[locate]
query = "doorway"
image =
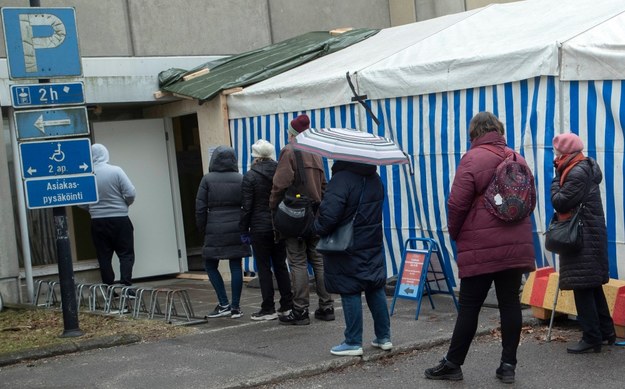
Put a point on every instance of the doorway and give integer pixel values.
(190, 173)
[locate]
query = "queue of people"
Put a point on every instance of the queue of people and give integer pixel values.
(236, 212)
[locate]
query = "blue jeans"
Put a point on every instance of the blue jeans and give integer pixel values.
(352, 310)
(236, 272)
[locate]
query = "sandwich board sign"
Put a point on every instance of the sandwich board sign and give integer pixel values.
(422, 269)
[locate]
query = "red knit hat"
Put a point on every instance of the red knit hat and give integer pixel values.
(568, 143)
(299, 124)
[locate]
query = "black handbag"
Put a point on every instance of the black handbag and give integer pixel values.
(295, 214)
(340, 240)
(566, 236)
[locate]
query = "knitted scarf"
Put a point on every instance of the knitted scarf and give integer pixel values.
(566, 162)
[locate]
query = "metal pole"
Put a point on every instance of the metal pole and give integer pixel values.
(66, 275)
(553, 311)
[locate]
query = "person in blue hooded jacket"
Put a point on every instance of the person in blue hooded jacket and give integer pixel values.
(356, 189)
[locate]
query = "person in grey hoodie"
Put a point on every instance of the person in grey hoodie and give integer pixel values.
(217, 213)
(111, 228)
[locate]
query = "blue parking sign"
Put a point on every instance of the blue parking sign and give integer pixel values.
(41, 42)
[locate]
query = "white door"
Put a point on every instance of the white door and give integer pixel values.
(140, 148)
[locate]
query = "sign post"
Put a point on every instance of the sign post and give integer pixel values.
(42, 43)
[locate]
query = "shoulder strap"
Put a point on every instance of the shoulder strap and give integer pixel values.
(300, 176)
(362, 192)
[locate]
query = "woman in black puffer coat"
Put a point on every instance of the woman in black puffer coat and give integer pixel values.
(257, 229)
(217, 213)
(363, 268)
(576, 182)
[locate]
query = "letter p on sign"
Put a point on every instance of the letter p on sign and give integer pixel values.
(41, 42)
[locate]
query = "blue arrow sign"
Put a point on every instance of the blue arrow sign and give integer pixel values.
(47, 95)
(56, 158)
(51, 123)
(41, 42)
(61, 191)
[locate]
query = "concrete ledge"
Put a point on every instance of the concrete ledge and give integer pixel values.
(67, 348)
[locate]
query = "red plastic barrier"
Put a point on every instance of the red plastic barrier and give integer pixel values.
(541, 280)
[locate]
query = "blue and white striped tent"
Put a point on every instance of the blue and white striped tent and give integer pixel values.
(542, 67)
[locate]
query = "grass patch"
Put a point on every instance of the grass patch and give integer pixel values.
(23, 329)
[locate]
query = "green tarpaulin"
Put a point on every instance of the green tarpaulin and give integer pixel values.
(257, 65)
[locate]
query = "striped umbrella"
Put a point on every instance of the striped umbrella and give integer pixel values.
(347, 144)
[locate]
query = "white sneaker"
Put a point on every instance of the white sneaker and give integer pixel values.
(346, 350)
(383, 344)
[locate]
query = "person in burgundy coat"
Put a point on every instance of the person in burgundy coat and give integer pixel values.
(488, 250)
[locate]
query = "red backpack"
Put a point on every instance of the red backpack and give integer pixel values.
(511, 193)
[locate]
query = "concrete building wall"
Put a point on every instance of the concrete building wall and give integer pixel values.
(402, 12)
(293, 17)
(198, 27)
(473, 4)
(428, 9)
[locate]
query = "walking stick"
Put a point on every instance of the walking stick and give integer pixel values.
(553, 311)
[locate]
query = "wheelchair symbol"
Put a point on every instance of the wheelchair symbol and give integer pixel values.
(58, 155)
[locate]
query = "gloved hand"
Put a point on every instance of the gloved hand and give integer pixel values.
(246, 238)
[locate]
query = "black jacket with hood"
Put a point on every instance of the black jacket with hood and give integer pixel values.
(218, 207)
(364, 267)
(587, 268)
(256, 188)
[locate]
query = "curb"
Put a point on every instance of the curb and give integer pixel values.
(67, 348)
(342, 362)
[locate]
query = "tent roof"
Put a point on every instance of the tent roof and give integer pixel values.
(492, 45)
(257, 65)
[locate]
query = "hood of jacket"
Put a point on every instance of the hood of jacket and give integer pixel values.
(223, 160)
(490, 138)
(99, 154)
(265, 168)
(354, 167)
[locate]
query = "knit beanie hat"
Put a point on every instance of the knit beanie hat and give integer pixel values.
(299, 124)
(568, 143)
(263, 149)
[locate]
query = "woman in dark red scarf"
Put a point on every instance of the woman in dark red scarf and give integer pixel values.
(576, 182)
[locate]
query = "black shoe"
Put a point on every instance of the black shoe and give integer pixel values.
(295, 318)
(444, 371)
(583, 347)
(264, 315)
(325, 314)
(505, 372)
(610, 339)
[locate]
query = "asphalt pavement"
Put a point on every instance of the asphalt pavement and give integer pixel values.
(233, 353)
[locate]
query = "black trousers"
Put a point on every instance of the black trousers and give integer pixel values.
(593, 314)
(270, 254)
(114, 235)
(473, 292)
